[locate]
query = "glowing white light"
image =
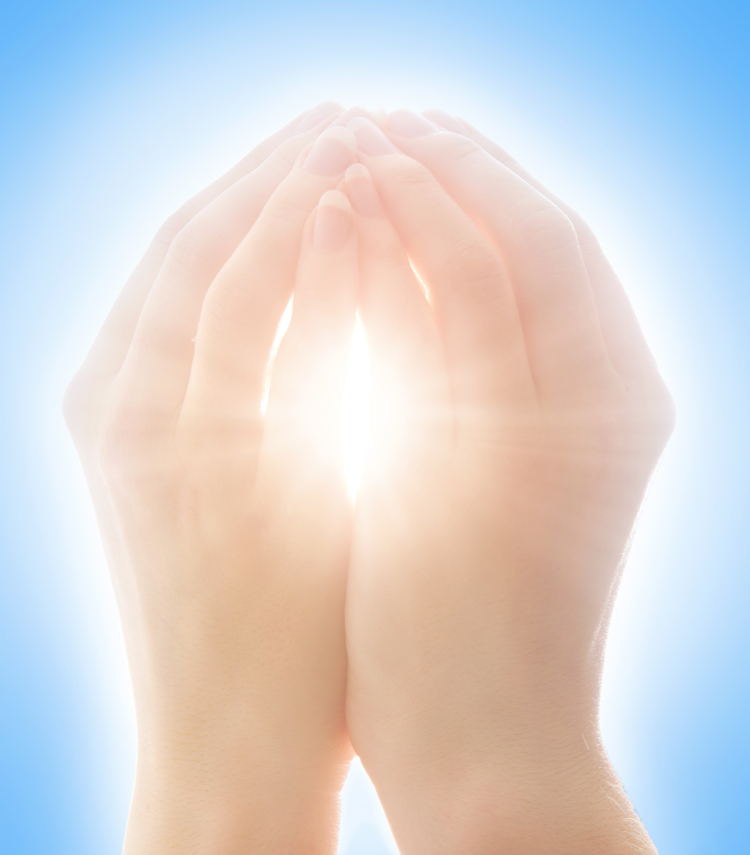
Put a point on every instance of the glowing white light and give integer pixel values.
(356, 411)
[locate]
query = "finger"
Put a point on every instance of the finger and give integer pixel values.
(624, 339)
(244, 304)
(111, 344)
(347, 115)
(410, 390)
(466, 279)
(309, 124)
(302, 432)
(556, 304)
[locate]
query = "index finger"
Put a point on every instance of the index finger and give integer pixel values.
(468, 284)
(560, 322)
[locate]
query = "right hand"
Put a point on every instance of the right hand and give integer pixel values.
(518, 415)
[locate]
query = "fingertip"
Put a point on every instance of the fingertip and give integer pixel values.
(370, 139)
(379, 115)
(333, 218)
(316, 115)
(469, 128)
(357, 170)
(362, 192)
(445, 121)
(406, 123)
(337, 199)
(331, 153)
(343, 135)
(347, 115)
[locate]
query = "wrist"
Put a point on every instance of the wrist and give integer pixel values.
(565, 803)
(226, 788)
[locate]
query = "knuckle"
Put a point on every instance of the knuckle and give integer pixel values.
(81, 404)
(284, 157)
(638, 419)
(287, 206)
(473, 270)
(122, 439)
(316, 302)
(170, 228)
(122, 453)
(223, 316)
(661, 412)
(76, 403)
(546, 230)
(131, 448)
(191, 247)
(462, 151)
(410, 179)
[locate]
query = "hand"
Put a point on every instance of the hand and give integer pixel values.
(518, 416)
(228, 530)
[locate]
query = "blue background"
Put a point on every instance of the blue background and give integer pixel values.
(637, 113)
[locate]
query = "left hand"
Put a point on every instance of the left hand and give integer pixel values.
(227, 529)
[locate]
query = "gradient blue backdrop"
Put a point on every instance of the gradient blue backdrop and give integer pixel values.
(112, 113)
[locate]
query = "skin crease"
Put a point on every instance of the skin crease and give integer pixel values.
(450, 629)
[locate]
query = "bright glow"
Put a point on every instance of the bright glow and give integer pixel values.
(163, 158)
(356, 411)
(364, 826)
(280, 331)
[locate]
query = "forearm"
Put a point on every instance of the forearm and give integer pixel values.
(238, 793)
(572, 805)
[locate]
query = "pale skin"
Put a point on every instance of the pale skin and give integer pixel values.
(450, 627)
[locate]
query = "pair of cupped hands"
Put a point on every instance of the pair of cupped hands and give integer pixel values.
(449, 627)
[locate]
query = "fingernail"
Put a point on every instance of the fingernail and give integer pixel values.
(351, 113)
(446, 121)
(332, 222)
(332, 152)
(404, 123)
(361, 191)
(316, 115)
(370, 139)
